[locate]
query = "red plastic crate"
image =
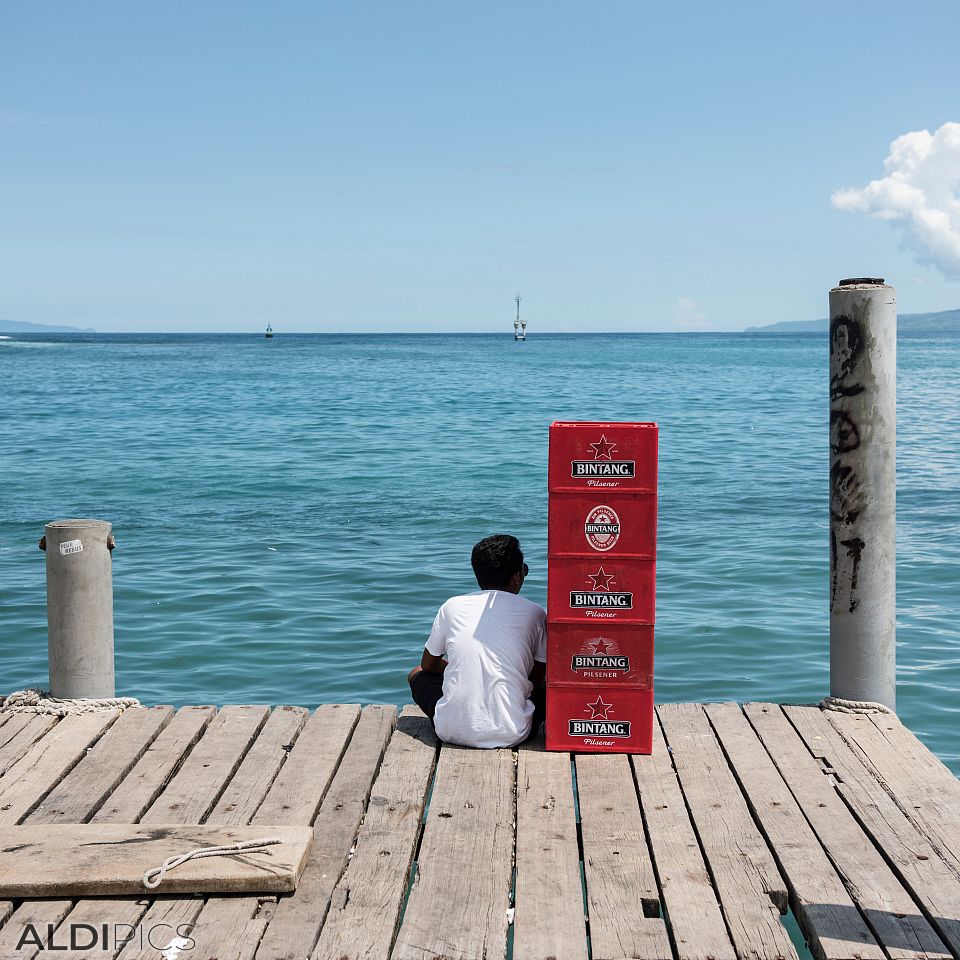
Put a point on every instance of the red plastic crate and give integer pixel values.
(603, 456)
(599, 719)
(584, 653)
(601, 590)
(608, 525)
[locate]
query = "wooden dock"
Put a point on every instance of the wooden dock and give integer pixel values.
(694, 853)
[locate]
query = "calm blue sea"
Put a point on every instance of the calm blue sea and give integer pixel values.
(290, 513)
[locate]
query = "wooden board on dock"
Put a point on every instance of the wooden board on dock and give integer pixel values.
(623, 901)
(107, 859)
(466, 860)
(549, 920)
(368, 898)
(424, 850)
(689, 899)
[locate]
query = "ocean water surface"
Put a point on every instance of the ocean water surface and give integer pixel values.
(290, 513)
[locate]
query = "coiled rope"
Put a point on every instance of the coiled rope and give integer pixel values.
(153, 878)
(42, 701)
(854, 706)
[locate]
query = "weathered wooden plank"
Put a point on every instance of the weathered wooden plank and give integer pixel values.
(55, 926)
(6, 908)
(365, 905)
(141, 786)
(293, 797)
(829, 919)
(238, 941)
(923, 788)
(464, 861)
(230, 928)
(894, 918)
(134, 795)
(210, 761)
(249, 785)
(110, 859)
(295, 927)
(697, 927)
(92, 780)
(302, 783)
(187, 798)
(30, 925)
(932, 777)
(48, 914)
(549, 914)
(165, 932)
(931, 880)
(35, 774)
(230, 911)
(19, 734)
(191, 794)
(751, 890)
(623, 901)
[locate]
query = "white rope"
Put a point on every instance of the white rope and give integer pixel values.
(153, 878)
(41, 701)
(854, 706)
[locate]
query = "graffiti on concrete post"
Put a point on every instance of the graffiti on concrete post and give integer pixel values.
(847, 495)
(854, 548)
(846, 348)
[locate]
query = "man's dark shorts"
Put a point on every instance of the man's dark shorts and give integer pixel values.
(427, 689)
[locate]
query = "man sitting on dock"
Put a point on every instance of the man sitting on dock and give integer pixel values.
(481, 678)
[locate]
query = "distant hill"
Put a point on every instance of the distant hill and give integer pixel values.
(21, 326)
(946, 321)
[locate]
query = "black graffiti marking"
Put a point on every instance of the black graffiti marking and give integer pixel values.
(846, 494)
(834, 573)
(854, 551)
(847, 499)
(839, 389)
(844, 433)
(846, 346)
(855, 547)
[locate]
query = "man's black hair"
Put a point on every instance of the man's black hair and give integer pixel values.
(495, 560)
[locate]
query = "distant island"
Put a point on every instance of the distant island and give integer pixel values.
(22, 326)
(946, 321)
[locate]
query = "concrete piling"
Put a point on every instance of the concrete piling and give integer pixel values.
(863, 379)
(79, 608)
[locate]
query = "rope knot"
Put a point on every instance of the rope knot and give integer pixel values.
(35, 700)
(854, 706)
(153, 878)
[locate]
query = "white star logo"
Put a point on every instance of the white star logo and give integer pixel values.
(600, 709)
(601, 580)
(601, 645)
(602, 448)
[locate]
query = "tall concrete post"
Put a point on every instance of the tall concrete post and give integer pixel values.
(863, 491)
(80, 608)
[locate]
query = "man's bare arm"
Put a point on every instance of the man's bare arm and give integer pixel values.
(538, 675)
(431, 664)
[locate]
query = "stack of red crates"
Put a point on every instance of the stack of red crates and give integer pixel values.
(601, 587)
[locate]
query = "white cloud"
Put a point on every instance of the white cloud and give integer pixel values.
(919, 194)
(686, 316)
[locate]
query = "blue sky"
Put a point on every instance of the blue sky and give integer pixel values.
(410, 166)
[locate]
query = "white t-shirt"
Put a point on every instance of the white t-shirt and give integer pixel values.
(490, 640)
